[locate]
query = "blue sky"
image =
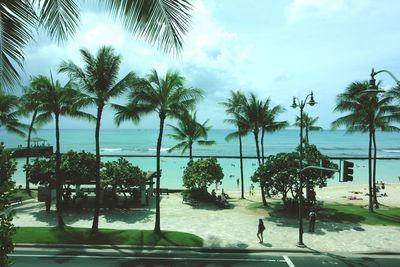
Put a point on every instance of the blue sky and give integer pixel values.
(276, 49)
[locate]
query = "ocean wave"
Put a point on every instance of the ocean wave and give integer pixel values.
(163, 149)
(111, 149)
(391, 151)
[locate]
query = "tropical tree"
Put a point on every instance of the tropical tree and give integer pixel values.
(55, 101)
(159, 22)
(269, 123)
(234, 108)
(253, 113)
(189, 131)
(308, 125)
(29, 105)
(7, 167)
(168, 98)
(367, 112)
(9, 114)
(99, 80)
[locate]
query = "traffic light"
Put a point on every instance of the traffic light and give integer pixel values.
(347, 171)
(325, 163)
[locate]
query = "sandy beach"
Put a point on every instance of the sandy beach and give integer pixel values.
(237, 227)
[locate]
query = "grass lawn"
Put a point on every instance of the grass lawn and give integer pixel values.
(52, 235)
(22, 193)
(359, 214)
(340, 213)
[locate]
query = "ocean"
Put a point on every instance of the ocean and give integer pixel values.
(117, 142)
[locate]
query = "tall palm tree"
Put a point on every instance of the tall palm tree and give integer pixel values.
(168, 98)
(9, 114)
(55, 101)
(367, 112)
(161, 22)
(269, 122)
(189, 131)
(99, 80)
(253, 113)
(234, 108)
(29, 105)
(308, 125)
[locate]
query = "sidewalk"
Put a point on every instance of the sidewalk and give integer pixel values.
(234, 228)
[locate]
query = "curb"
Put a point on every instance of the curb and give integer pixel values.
(203, 249)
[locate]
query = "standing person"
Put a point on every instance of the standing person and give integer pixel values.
(260, 232)
(237, 182)
(312, 217)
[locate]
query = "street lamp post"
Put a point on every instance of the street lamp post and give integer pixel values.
(301, 104)
(372, 84)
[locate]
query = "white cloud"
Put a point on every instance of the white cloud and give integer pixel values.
(306, 9)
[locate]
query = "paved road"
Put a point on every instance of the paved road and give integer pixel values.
(139, 257)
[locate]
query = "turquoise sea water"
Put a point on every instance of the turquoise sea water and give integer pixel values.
(119, 142)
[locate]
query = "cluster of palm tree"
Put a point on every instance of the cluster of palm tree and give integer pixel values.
(368, 111)
(251, 115)
(159, 22)
(96, 84)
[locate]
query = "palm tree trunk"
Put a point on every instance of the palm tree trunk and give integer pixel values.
(259, 164)
(157, 227)
(374, 171)
(241, 164)
(28, 152)
(262, 145)
(190, 150)
(95, 225)
(370, 208)
(59, 183)
(257, 147)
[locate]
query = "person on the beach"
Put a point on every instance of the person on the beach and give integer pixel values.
(237, 182)
(311, 224)
(252, 190)
(260, 232)
(213, 194)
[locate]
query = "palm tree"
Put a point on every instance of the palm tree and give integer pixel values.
(367, 113)
(308, 125)
(29, 104)
(234, 108)
(99, 80)
(168, 98)
(253, 113)
(9, 114)
(189, 131)
(55, 101)
(159, 22)
(269, 123)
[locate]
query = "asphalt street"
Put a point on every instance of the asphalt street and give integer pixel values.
(116, 257)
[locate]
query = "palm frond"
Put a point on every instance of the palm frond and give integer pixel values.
(161, 22)
(60, 18)
(17, 18)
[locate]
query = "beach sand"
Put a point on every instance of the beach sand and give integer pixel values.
(237, 227)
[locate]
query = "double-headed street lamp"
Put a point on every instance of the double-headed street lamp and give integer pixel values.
(301, 104)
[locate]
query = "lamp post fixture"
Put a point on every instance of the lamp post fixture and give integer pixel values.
(372, 82)
(301, 104)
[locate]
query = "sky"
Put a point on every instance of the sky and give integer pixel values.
(275, 49)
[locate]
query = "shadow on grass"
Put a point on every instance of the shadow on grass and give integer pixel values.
(328, 219)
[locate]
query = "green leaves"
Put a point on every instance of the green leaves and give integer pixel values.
(202, 173)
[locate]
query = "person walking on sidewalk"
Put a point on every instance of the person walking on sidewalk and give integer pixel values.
(311, 224)
(260, 232)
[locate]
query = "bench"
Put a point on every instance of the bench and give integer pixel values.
(164, 191)
(17, 200)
